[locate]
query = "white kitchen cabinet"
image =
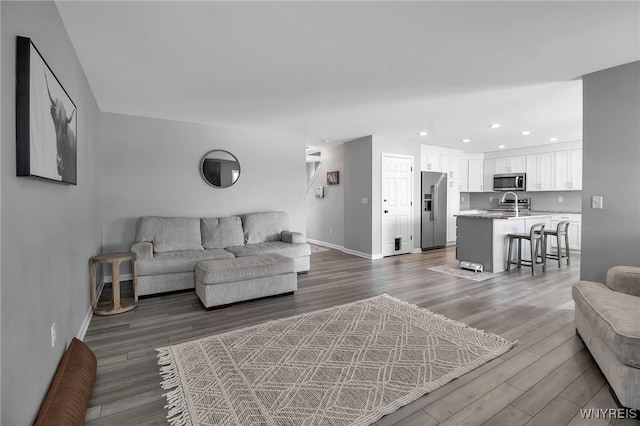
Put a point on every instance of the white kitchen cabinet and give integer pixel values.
(451, 166)
(541, 172)
(453, 208)
(476, 176)
(568, 170)
(464, 175)
(510, 164)
(431, 162)
(575, 229)
(488, 172)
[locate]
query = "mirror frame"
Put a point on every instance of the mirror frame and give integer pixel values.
(204, 157)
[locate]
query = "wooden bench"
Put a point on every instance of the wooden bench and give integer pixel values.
(68, 397)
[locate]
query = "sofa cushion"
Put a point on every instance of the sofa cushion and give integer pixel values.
(221, 232)
(241, 269)
(285, 249)
(615, 318)
(264, 226)
(170, 233)
(177, 261)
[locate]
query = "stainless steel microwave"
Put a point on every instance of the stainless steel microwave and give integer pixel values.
(510, 182)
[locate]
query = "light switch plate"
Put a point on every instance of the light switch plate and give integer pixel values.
(365, 200)
(596, 202)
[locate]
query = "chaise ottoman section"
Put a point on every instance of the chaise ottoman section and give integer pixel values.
(224, 281)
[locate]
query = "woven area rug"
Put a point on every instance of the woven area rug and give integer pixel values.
(346, 365)
(462, 273)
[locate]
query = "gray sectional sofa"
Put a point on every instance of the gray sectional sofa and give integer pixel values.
(608, 320)
(168, 248)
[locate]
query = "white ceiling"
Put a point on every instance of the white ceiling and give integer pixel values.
(342, 70)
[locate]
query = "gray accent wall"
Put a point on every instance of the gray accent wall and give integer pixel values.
(357, 184)
(325, 216)
(385, 145)
(150, 167)
(49, 231)
(611, 168)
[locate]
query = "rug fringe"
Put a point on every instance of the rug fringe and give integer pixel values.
(176, 402)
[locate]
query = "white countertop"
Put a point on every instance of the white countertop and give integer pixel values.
(502, 216)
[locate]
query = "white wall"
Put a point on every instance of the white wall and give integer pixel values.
(49, 231)
(325, 214)
(151, 167)
(611, 164)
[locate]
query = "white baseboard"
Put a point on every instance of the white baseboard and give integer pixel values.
(416, 251)
(324, 244)
(345, 250)
(85, 324)
(123, 277)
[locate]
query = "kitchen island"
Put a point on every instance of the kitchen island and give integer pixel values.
(482, 237)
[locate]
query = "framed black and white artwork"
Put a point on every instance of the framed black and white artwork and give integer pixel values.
(46, 120)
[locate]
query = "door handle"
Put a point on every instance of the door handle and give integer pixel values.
(386, 211)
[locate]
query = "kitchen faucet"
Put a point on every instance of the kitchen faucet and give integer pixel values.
(516, 197)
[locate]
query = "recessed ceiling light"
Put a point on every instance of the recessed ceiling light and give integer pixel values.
(553, 140)
(495, 125)
(502, 146)
(423, 133)
(466, 140)
(525, 133)
(325, 140)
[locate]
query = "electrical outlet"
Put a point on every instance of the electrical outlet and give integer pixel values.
(462, 199)
(560, 199)
(490, 198)
(331, 231)
(53, 335)
(596, 202)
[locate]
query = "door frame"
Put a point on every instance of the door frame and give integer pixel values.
(411, 198)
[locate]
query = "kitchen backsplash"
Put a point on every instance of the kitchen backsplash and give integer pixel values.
(540, 201)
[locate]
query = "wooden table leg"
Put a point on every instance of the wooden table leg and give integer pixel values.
(116, 285)
(135, 281)
(94, 290)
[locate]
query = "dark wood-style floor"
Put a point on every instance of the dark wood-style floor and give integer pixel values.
(544, 380)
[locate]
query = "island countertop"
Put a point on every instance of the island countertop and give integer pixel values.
(503, 215)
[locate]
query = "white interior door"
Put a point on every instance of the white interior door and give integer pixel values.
(397, 204)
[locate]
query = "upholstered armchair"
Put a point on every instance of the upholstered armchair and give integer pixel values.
(608, 321)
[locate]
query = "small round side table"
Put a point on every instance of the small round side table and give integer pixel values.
(117, 305)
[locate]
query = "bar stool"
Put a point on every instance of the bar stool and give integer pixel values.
(537, 243)
(561, 230)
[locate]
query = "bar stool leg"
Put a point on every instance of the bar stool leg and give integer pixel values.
(534, 255)
(519, 252)
(543, 249)
(566, 246)
(509, 254)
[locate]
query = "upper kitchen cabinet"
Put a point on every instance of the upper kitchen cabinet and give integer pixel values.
(541, 172)
(476, 175)
(430, 161)
(568, 170)
(451, 166)
(509, 165)
(471, 173)
(488, 172)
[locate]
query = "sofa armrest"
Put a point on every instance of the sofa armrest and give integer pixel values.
(142, 250)
(293, 237)
(624, 279)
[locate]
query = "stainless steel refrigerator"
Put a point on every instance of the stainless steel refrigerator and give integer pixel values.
(434, 210)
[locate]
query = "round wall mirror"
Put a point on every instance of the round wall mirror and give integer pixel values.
(220, 168)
